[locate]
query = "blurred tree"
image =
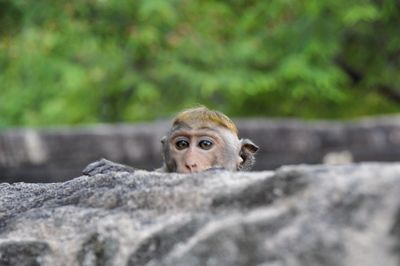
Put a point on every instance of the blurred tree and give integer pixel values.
(107, 60)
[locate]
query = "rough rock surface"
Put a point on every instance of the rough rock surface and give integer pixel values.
(297, 215)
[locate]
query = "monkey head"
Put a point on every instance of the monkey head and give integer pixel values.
(202, 139)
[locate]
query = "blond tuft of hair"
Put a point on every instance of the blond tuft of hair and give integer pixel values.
(203, 114)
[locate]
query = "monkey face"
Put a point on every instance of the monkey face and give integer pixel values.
(201, 139)
(196, 149)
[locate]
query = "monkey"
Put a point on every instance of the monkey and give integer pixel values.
(199, 139)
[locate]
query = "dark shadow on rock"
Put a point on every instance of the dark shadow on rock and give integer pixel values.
(159, 244)
(97, 250)
(23, 253)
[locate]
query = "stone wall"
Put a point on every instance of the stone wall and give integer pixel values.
(295, 216)
(50, 155)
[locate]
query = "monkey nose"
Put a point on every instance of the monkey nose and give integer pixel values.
(191, 166)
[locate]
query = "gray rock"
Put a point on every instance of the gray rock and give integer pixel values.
(297, 215)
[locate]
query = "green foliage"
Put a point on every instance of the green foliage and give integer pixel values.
(71, 62)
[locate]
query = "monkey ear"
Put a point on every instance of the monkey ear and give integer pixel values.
(163, 139)
(247, 152)
(249, 145)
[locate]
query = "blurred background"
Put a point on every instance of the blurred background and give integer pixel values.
(78, 63)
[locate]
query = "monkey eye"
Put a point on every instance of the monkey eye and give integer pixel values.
(205, 144)
(182, 144)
